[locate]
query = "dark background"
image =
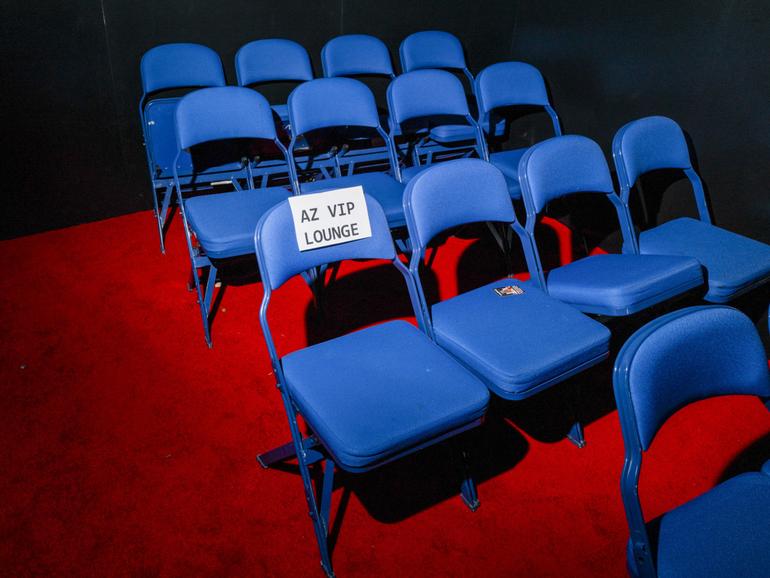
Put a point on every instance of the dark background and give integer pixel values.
(70, 79)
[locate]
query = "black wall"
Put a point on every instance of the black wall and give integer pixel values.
(70, 79)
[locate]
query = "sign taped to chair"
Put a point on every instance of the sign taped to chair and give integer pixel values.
(330, 217)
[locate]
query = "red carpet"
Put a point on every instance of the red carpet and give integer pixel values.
(128, 446)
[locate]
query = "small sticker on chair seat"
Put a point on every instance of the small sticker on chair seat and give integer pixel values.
(509, 290)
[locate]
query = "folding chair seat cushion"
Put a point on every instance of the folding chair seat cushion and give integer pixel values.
(450, 133)
(224, 223)
(622, 284)
(724, 532)
(384, 188)
(518, 344)
(734, 264)
(508, 163)
(374, 393)
(282, 110)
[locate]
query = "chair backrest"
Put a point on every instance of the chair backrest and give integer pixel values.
(432, 49)
(280, 258)
(686, 356)
(356, 54)
(424, 93)
(652, 143)
(272, 60)
(560, 166)
(509, 84)
(227, 112)
(182, 65)
(331, 102)
(454, 193)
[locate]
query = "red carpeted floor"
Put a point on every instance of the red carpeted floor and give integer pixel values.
(128, 446)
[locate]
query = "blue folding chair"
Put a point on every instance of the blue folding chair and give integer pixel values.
(436, 49)
(518, 344)
(273, 60)
(680, 358)
(368, 397)
(503, 85)
(338, 103)
(608, 284)
(423, 94)
(734, 264)
(221, 226)
(356, 56)
(164, 68)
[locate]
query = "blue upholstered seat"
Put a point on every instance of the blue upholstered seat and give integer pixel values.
(622, 284)
(724, 532)
(224, 224)
(734, 264)
(448, 133)
(519, 344)
(387, 190)
(378, 391)
(619, 284)
(675, 360)
(508, 163)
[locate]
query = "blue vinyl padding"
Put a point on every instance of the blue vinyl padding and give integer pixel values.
(690, 355)
(379, 391)
(385, 189)
(356, 54)
(272, 60)
(509, 84)
(563, 165)
(309, 107)
(211, 114)
(424, 93)
(431, 49)
(224, 223)
(508, 163)
(622, 284)
(724, 532)
(284, 259)
(651, 143)
(449, 133)
(518, 344)
(181, 65)
(675, 360)
(734, 263)
(454, 193)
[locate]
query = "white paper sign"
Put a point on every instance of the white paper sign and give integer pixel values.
(330, 218)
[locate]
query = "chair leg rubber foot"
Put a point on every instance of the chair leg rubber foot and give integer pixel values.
(261, 463)
(328, 571)
(472, 505)
(575, 435)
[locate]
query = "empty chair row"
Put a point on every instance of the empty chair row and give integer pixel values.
(174, 66)
(423, 387)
